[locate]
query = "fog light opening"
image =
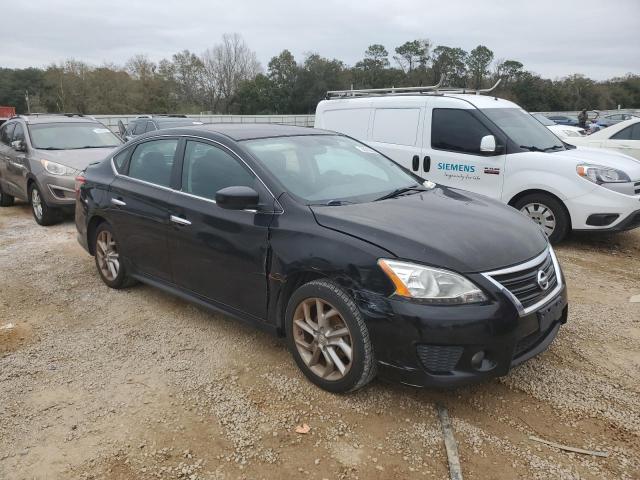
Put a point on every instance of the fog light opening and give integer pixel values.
(480, 362)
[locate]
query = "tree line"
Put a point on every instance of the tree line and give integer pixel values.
(228, 78)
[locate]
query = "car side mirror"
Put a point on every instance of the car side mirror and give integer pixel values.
(488, 144)
(18, 146)
(237, 198)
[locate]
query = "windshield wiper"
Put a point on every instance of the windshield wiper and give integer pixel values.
(555, 147)
(93, 146)
(48, 148)
(531, 148)
(399, 191)
(337, 203)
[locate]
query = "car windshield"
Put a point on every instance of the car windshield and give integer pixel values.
(543, 120)
(71, 136)
(524, 130)
(331, 169)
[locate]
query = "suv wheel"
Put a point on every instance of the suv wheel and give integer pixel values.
(5, 200)
(328, 338)
(43, 213)
(108, 260)
(548, 212)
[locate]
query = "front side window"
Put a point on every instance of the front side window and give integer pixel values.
(319, 169)
(207, 169)
(153, 161)
(523, 129)
(18, 133)
(457, 130)
(6, 133)
(72, 136)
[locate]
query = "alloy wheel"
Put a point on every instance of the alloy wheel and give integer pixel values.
(322, 339)
(107, 255)
(36, 203)
(542, 215)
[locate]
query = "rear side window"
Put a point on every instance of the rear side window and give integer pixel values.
(632, 132)
(396, 125)
(208, 168)
(153, 161)
(6, 132)
(350, 121)
(120, 160)
(456, 130)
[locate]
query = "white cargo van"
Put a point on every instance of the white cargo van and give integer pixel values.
(492, 146)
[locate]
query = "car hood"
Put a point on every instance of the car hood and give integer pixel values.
(444, 227)
(78, 159)
(601, 156)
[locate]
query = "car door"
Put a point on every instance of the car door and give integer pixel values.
(451, 149)
(138, 205)
(626, 141)
(6, 134)
(17, 167)
(219, 254)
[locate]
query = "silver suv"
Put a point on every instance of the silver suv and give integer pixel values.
(40, 156)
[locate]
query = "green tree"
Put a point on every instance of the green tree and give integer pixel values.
(449, 64)
(478, 65)
(413, 55)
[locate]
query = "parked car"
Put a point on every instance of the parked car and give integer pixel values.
(150, 123)
(561, 131)
(623, 137)
(41, 155)
(360, 263)
(492, 146)
(571, 120)
(613, 119)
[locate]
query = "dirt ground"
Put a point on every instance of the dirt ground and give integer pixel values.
(136, 384)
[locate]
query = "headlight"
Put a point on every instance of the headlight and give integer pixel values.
(599, 174)
(56, 169)
(430, 284)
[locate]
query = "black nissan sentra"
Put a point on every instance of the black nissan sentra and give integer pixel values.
(364, 267)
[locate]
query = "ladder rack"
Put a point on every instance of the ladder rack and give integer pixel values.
(436, 89)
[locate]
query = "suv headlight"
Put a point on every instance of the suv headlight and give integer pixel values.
(56, 169)
(430, 284)
(599, 174)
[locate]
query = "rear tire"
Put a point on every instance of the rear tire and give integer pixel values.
(5, 200)
(109, 263)
(333, 350)
(42, 213)
(548, 212)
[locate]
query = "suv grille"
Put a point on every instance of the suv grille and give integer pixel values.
(523, 284)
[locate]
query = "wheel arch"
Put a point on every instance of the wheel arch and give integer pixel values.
(291, 283)
(530, 191)
(92, 227)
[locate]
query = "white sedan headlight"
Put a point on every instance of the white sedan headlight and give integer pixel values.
(599, 174)
(430, 284)
(56, 169)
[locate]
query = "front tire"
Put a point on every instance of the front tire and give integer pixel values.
(548, 212)
(42, 213)
(108, 260)
(328, 337)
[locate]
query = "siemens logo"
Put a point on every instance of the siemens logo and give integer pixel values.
(457, 167)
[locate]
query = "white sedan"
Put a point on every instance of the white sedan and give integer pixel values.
(561, 131)
(623, 137)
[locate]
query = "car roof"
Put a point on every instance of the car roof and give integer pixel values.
(245, 131)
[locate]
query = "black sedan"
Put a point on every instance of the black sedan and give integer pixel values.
(363, 266)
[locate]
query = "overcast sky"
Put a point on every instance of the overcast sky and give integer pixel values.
(599, 38)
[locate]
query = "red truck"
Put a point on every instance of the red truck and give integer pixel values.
(6, 113)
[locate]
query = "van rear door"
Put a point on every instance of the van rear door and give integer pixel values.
(451, 152)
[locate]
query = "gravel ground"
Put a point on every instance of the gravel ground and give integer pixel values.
(104, 384)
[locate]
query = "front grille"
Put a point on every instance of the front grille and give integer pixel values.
(439, 358)
(523, 284)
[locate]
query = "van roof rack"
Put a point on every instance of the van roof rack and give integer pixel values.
(165, 115)
(26, 116)
(436, 89)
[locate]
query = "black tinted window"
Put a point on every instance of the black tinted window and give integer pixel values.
(624, 134)
(153, 161)
(6, 133)
(456, 130)
(635, 134)
(208, 169)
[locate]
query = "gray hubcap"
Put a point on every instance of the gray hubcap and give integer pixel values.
(322, 338)
(542, 215)
(107, 255)
(36, 203)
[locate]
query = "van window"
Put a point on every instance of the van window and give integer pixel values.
(350, 121)
(457, 130)
(396, 125)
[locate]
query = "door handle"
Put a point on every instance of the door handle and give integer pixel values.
(120, 203)
(179, 220)
(415, 163)
(426, 163)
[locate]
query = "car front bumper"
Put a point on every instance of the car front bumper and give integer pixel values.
(58, 191)
(603, 202)
(448, 346)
